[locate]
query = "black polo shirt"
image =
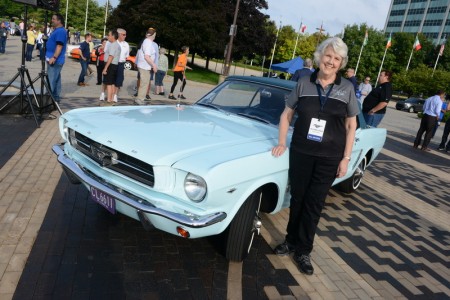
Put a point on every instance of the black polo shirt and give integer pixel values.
(341, 103)
(381, 93)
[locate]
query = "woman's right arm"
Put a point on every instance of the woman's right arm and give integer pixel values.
(283, 128)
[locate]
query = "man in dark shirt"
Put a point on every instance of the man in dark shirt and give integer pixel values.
(306, 71)
(351, 76)
(85, 56)
(374, 106)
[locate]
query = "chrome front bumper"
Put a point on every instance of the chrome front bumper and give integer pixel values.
(141, 205)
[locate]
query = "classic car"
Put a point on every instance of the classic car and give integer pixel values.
(411, 105)
(195, 170)
(129, 64)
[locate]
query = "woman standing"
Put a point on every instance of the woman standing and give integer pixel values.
(100, 53)
(321, 145)
(31, 41)
(179, 73)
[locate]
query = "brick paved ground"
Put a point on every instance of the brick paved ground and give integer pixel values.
(389, 240)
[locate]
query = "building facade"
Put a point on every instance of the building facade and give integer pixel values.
(430, 17)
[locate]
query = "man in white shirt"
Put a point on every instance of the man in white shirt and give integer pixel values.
(431, 112)
(124, 53)
(365, 88)
(146, 61)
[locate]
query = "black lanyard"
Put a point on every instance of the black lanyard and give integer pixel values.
(323, 99)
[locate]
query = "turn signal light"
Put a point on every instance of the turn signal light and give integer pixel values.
(182, 232)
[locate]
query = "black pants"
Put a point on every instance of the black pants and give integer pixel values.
(445, 136)
(310, 177)
(426, 126)
(178, 75)
(100, 66)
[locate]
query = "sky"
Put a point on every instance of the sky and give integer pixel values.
(334, 14)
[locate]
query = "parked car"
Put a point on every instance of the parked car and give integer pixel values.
(195, 170)
(129, 64)
(411, 105)
(70, 47)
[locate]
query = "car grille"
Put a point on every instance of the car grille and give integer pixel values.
(113, 159)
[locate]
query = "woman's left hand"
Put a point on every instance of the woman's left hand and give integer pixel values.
(342, 168)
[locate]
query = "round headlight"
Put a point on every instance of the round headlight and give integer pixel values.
(195, 187)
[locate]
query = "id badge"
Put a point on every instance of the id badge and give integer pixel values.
(316, 130)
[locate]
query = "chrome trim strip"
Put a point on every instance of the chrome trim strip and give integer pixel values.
(143, 205)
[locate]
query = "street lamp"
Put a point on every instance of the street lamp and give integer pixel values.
(227, 66)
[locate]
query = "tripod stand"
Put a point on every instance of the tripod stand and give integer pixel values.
(43, 75)
(25, 77)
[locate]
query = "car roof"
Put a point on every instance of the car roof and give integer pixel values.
(287, 84)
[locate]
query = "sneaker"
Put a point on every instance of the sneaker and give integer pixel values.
(115, 98)
(98, 83)
(182, 97)
(284, 249)
(135, 95)
(148, 97)
(441, 148)
(81, 84)
(172, 97)
(162, 94)
(304, 263)
(102, 97)
(139, 102)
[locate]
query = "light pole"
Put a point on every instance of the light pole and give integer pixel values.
(106, 16)
(226, 68)
(85, 20)
(67, 8)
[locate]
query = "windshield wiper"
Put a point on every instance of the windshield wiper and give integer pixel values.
(209, 105)
(254, 118)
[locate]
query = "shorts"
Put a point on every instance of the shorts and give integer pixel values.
(120, 74)
(159, 77)
(111, 74)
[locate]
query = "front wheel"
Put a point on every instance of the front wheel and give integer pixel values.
(351, 184)
(411, 109)
(242, 230)
(128, 65)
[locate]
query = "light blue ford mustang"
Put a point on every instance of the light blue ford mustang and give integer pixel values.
(196, 170)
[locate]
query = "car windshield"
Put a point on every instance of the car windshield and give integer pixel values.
(248, 99)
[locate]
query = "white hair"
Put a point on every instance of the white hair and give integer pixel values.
(338, 46)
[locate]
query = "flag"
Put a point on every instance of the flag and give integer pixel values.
(366, 38)
(389, 42)
(303, 28)
(441, 51)
(417, 45)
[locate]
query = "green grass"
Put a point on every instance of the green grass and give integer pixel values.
(199, 74)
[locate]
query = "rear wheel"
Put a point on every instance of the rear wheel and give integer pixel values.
(351, 184)
(242, 230)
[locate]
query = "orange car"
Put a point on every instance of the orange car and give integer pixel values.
(129, 64)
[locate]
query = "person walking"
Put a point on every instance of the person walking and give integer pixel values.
(179, 73)
(112, 55)
(431, 111)
(55, 54)
(321, 145)
(444, 140)
(85, 57)
(374, 106)
(146, 61)
(124, 53)
(163, 66)
(3, 37)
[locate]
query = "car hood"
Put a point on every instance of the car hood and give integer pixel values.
(163, 135)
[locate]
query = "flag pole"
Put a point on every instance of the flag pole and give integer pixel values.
(437, 59)
(412, 50)
(381, 67)
(273, 51)
(296, 41)
(106, 17)
(357, 64)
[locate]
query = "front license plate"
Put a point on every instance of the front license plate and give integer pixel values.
(104, 199)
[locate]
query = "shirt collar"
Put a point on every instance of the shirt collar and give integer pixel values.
(314, 79)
